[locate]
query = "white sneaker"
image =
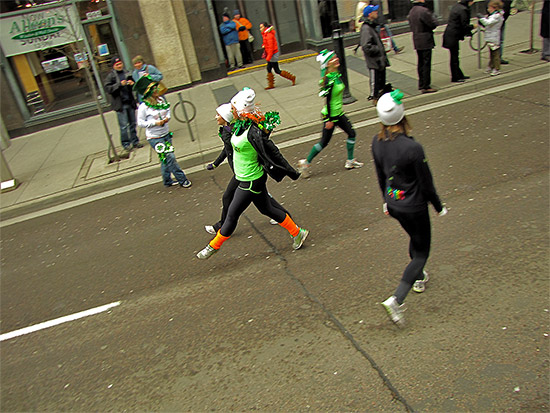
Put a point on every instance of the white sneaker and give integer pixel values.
(210, 229)
(488, 70)
(206, 253)
(352, 163)
(394, 310)
(495, 72)
(303, 168)
(420, 285)
(273, 222)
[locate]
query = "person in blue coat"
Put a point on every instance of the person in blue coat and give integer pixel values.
(228, 29)
(142, 69)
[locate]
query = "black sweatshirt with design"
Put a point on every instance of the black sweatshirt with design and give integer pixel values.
(404, 175)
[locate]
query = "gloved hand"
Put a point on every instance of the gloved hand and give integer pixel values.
(210, 166)
(443, 211)
(242, 28)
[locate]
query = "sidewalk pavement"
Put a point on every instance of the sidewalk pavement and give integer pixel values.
(70, 161)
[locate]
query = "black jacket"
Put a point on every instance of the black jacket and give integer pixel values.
(458, 25)
(372, 46)
(273, 162)
(227, 151)
(422, 23)
(114, 88)
(403, 174)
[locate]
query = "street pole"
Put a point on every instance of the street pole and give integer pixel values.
(338, 44)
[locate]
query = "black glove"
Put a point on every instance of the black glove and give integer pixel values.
(242, 28)
(210, 166)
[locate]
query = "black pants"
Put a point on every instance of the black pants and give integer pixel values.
(343, 123)
(228, 197)
(246, 193)
(424, 68)
(378, 81)
(246, 51)
(456, 73)
(417, 225)
(274, 66)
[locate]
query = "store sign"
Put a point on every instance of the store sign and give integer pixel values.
(39, 30)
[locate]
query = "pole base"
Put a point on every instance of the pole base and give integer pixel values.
(346, 100)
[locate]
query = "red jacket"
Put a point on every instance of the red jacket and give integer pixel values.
(269, 43)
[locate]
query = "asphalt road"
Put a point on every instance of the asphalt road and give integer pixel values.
(262, 327)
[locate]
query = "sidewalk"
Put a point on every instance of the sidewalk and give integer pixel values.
(70, 161)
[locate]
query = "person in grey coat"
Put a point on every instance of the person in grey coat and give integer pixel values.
(458, 27)
(423, 23)
(374, 52)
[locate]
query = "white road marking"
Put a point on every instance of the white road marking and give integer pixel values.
(57, 321)
(286, 144)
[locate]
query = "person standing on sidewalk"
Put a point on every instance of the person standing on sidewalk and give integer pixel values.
(545, 31)
(255, 156)
(154, 115)
(423, 24)
(228, 29)
(382, 23)
(271, 55)
(493, 23)
(118, 84)
(143, 69)
(332, 89)
(407, 187)
(245, 45)
(458, 27)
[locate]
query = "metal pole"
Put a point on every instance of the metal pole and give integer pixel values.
(478, 45)
(182, 103)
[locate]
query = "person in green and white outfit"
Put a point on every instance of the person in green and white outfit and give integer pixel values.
(332, 89)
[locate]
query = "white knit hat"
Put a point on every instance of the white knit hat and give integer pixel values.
(390, 109)
(226, 112)
(244, 101)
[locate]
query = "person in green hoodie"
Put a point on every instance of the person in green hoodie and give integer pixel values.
(332, 89)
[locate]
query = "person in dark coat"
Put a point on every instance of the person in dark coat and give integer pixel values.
(458, 27)
(545, 30)
(423, 23)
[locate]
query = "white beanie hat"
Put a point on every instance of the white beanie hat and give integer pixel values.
(390, 109)
(244, 101)
(226, 112)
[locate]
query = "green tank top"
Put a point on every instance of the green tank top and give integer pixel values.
(245, 159)
(336, 98)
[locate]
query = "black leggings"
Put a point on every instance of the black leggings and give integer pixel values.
(245, 194)
(417, 225)
(343, 123)
(274, 66)
(228, 197)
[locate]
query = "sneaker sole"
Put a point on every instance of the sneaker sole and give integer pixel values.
(399, 322)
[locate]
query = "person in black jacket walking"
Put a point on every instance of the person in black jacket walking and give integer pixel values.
(423, 23)
(407, 187)
(118, 84)
(458, 27)
(254, 157)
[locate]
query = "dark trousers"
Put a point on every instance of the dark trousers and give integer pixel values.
(417, 225)
(424, 68)
(273, 66)
(377, 81)
(343, 123)
(246, 51)
(456, 73)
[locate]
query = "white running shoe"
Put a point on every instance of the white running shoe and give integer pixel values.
(210, 229)
(420, 285)
(495, 72)
(352, 163)
(394, 310)
(273, 222)
(303, 168)
(206, 253)
(299, 239)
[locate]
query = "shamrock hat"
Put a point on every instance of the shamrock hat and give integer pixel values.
(390, 108)
(145, 86)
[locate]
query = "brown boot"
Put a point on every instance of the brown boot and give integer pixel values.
(289, 76)
(270, 81)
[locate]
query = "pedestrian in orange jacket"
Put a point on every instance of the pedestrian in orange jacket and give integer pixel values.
(271, 55)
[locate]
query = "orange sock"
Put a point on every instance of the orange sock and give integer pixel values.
(218, 240)
(290, 226)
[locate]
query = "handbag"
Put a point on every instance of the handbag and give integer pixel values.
(250, 37)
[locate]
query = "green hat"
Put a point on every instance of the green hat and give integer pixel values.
(145, 86)
(323, 58)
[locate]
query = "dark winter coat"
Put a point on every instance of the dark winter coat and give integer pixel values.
(372, 46)
(544, 19)
(422, 23)
(458, 25)
(273, 162)
(115, 90)
(227, 151)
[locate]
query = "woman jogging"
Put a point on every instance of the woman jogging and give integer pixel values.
(255, 156)
(332, 89)
(407, 187)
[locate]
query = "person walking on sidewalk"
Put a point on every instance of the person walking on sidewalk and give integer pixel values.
(243, 28)
(374, 52)
(493, 23)
(271, 55)
(382, 23)
(458, 27)
(224, 117)
(118, 84)
(154, 115)
(407, 187)
(228, 29)
(332, 89)
(255, 156)
(423, 24)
